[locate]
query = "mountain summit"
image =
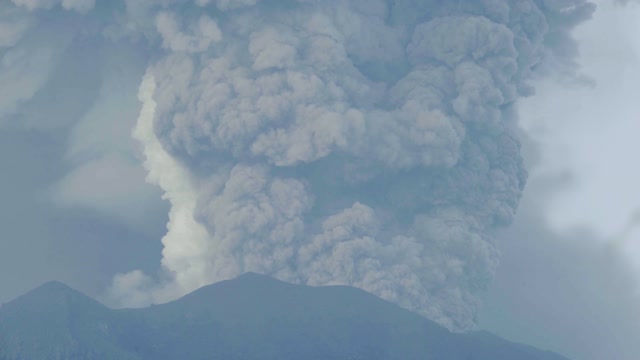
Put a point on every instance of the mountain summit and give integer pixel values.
(250, 317)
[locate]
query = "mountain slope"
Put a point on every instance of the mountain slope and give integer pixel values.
(250, 317)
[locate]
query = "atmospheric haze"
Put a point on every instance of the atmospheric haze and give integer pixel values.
(325, 142)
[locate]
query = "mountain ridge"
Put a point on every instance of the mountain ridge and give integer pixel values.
(250, 317)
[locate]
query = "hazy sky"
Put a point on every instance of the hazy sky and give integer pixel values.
(570, 275)
(76, 206)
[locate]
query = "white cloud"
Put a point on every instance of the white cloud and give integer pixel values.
(112, 185)
(81, 6)
(105, 167)
(592, 131)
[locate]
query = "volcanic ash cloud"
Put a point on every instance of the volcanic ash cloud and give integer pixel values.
(327, 142)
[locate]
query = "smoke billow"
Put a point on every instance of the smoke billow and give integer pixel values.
(341, 142)
(366, 143)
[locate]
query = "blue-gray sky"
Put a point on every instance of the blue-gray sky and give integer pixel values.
(393, 162)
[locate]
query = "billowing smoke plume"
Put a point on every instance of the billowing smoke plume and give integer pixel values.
(344, 142)
(367, 143)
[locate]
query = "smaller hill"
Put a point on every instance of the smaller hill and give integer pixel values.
(55, 321)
